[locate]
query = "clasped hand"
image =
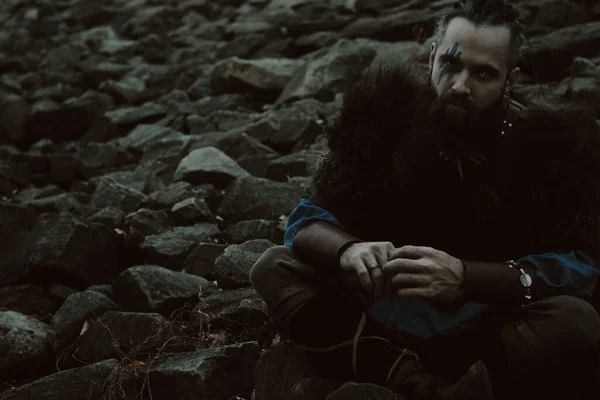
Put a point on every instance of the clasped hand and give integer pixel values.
(408, 271)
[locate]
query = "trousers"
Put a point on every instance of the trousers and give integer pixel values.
(549, 348)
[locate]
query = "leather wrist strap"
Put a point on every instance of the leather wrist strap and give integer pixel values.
(495, 283)
(320, 243)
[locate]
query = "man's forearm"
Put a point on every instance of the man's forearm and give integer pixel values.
(319, 243)
(495, 283)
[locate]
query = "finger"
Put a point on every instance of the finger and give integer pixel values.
(410, 252)
(403, 265)
(421, 293)
(378, 275)
(400, 281)
(377, 279)
(364, 277)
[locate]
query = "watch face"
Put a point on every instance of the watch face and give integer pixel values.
(526, 280)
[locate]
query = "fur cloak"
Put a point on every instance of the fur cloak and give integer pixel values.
(383, 177)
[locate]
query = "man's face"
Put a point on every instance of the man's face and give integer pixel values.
(469, 70)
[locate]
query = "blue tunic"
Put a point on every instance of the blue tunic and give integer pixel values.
(573, 274)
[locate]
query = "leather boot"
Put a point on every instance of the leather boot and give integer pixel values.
(314, 388)
(406, 375)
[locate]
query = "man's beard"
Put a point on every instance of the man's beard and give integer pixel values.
(460, 129)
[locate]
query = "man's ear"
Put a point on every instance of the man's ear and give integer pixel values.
(432, 54)
(512, 79)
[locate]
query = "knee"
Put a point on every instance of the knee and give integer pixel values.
(568, 324)
(263, 269)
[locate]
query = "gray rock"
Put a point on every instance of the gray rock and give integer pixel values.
(301, 163)
(263, 78)
(363, 391)
(116, 333)
(77, 308)
(111, 193)
(232, 269)
(248, 152)
(14, 114)
(244, 231)
(240, 312)
(208, 165)
(170, 248)
(303, 17)
(145, 223)
(32, 193)
(392, 27)
(327, 70)
(143, 136)
(64, 202)
(113, 217)
(174, 193)
(201, 261)
(208, 374)
(15, 218)
(191, 211)
(257, 198)
(28, 300)
(63, 124)
(582, 67)
(59, 246)
(150, 288)
(129, 116)
(24, 346)
(277, 370)
(90, 382)
(128, 89)
(559, 47)
(102, 289)
(96, 158)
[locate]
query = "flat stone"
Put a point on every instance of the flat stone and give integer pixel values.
(90, 382)
(111, 193)
(170, 248)
(144, 135)
(191, 211)
(208, 165)
(214, 373)
(301, 163)
(257, 198)
(117, 333)
(327, 71)
(150, 288)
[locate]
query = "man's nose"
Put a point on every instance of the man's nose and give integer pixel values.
(461, 84)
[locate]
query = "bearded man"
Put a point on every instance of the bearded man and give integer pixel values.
(448, 249)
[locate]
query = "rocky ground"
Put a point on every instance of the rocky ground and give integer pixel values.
(150, 151)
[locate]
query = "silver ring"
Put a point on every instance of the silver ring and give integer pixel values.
(373, 266)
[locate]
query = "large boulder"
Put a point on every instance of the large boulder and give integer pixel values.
(263, 78)
(115, 334)
(209, 165)
(257, 198)
(66, 248)
(24, 346)
(69, 320)
(327, 71)
(170, 248)
(207, 374)
(91, 382)
(150, 288)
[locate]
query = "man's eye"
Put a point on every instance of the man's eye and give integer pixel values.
(483, 75)
(448, 62)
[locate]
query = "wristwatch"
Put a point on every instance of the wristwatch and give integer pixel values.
(525, 278)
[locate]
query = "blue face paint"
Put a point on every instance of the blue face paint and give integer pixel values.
(449, 59)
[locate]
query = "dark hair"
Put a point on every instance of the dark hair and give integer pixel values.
(490, 13)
